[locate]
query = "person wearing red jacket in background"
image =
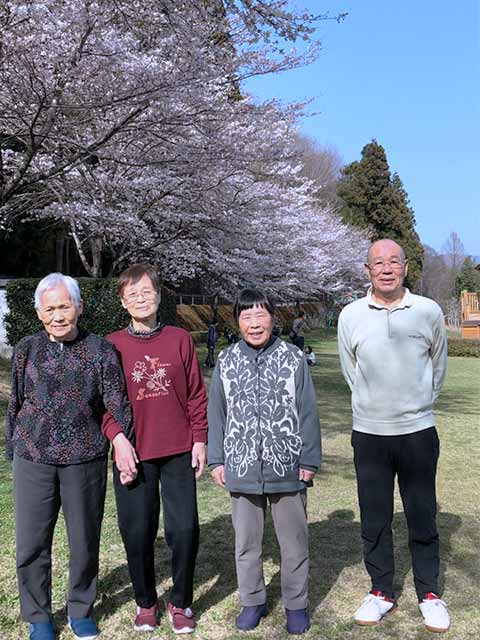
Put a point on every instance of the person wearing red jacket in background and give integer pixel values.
(167, 393)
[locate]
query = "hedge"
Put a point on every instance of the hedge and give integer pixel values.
(102, 314)
(199, 337)
(464, 347)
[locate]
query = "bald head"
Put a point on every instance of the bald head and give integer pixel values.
(386, 269)
(384, 247)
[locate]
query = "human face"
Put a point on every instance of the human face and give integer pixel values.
(58, 314)
(255, 326)
(386, 269)
(141, 300)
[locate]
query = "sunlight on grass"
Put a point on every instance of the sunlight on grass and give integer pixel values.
(338, 580)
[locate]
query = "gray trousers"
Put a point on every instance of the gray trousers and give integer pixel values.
(289, 514)
(39, 490)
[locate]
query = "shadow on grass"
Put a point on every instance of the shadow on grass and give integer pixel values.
(455, 402)
(333, 396)
(335, 544)
(337, 466)
(465, 561)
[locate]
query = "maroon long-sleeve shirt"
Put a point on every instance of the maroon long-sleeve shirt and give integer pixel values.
(166, 391)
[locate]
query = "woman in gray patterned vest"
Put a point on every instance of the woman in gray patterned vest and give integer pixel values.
(264, 446)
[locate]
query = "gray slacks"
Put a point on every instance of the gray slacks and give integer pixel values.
(289, 514)
(39, 490)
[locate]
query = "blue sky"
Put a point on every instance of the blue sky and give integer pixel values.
(407, 74)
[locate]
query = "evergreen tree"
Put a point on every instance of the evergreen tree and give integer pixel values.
(375, 200)
(469, 278)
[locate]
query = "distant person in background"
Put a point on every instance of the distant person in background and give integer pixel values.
(211, 342)
(297, 333)
(393, 352)
(310, 356)
(230, 336)
(63, 379)
(277, 329)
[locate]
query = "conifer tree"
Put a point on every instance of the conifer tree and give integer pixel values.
(469, 278)
(376, 201)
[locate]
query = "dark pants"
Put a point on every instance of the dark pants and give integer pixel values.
(299, 342)
(39, 490)
(413, 458)
(210, 361)
(138, 507)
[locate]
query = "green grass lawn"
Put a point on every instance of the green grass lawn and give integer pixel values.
(338, 580)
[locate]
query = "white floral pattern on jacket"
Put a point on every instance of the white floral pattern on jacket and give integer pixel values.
(262, 416)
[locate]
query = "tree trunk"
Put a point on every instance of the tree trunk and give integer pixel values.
(60, 250)
(96, 246)
(80, 250)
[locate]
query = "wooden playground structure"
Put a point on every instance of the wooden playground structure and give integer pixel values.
(470, 309)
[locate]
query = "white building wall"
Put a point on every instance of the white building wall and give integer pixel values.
(5, 348)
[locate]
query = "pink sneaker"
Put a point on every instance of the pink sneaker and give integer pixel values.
(182, 620)
(146, 618)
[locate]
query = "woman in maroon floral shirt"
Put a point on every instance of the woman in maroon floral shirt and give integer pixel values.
(169, 403)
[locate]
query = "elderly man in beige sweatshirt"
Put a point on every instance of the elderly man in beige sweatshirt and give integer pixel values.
(393, 352)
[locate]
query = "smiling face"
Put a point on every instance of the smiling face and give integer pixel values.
(386, 269)
(141, 299)
(58, 313)
(255, 326)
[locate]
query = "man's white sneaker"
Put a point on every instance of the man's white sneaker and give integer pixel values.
(435, 613)
(373, 608)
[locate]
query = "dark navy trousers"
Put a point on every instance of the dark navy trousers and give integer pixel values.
(138, 508)
(412, 458)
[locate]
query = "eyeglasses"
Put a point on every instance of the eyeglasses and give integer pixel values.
(146, 294)
(380, 265)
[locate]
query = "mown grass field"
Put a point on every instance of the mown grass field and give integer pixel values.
(338, 580)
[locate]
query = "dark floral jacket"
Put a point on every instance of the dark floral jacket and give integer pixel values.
(60, 391)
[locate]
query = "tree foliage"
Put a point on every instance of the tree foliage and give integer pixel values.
(446, 274)
(376, 201)
(454, 254)
(469, 278)
(102, 314)
(435, 281)
(321, 164)
(124, 121)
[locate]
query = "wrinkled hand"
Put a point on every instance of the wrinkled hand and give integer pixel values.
(127, 478)
(198, 458)
(125, 456)
(305, 475)
(218, 475)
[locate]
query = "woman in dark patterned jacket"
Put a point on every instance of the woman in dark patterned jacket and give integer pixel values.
(63, 379)
(264, 445)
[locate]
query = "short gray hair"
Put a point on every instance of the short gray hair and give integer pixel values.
(55, 280)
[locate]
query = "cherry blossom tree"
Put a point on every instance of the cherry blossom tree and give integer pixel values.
(126, 120)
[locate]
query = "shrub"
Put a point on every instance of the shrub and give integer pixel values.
(103, 312)
(199, 337)
(464, 347)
